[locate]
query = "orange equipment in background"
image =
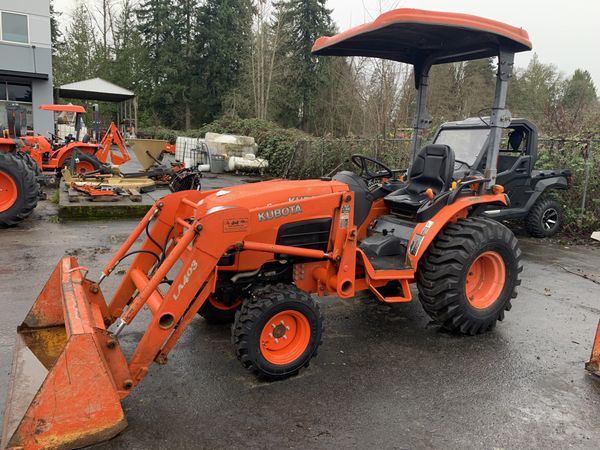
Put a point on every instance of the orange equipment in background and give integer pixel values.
(91, 156)
(593, 365)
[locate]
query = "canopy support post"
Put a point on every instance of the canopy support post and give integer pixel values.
(500, 117)
(135, 122)
(422, 119)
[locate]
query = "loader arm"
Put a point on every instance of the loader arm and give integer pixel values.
(71, 322)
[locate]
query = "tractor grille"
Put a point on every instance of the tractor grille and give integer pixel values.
(313, 234)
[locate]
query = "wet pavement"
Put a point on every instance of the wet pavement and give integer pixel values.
(384, 377)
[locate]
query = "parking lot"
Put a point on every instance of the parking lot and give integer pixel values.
(384, 376)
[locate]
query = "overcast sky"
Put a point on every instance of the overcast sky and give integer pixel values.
(564, 33)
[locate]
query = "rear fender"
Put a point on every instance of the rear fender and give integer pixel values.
(63, 153)
(37, 144)
(551, 183)
(544, 186)
(425, 232)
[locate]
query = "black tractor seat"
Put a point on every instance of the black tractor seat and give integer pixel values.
(432, 168)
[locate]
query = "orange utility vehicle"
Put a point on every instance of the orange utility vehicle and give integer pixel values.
(263, 249)
(89, 156)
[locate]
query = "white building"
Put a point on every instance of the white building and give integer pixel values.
(26, 62)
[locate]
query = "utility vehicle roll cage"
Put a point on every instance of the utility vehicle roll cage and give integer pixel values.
(425, 38)
(525, 126)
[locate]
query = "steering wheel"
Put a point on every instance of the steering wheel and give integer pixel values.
(361, 162)
(462, 163)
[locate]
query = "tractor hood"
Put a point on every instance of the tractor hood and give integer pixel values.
(258, 195)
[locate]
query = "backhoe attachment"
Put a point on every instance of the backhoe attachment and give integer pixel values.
(113, 139)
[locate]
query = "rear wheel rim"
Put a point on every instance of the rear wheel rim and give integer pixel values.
(549, 219)
(83, 167)
(485, 280)
(285, 337)
(8, 191)
(221, 306)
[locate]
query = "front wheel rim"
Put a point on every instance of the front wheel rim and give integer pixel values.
(549, 219)
(8, 192)
(485, 280)
(285, 337)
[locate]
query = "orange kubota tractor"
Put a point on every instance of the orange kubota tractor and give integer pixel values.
(261, 250)
(85, 157)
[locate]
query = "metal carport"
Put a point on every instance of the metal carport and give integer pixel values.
(105, 91)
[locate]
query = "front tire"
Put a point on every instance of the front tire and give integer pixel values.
(277, 331)
(469, 275)
(545, 218)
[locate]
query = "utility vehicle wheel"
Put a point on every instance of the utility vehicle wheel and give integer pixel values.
(216, 311)
(469, 275)
(84, 163)
(277, 331)
(544, 218)
(19, 189)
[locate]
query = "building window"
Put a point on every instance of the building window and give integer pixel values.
(15, 28)
(14, 98)
(18, 92)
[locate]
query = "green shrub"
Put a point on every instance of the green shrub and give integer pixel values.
(292, 153)
(575, 155)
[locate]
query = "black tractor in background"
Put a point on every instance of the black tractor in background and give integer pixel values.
(530, 190)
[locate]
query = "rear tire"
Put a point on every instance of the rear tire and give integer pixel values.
(19, 189)
(39, 175)
(545, 218)
(215, 311)
(31, 164)
(277, 331)
(469, 275)
(85, 163)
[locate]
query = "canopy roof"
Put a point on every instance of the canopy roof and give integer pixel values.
(417, 37)
(63, 108)
(95, 89)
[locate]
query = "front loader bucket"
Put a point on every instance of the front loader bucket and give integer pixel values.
(63, 389)
(593, 365)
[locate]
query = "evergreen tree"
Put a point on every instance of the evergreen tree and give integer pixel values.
(224, 34)
(477, 87)
(533, 92)
(159, 31)
(129, 64)
(303, 22)
(55, 33)
(579, 91)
